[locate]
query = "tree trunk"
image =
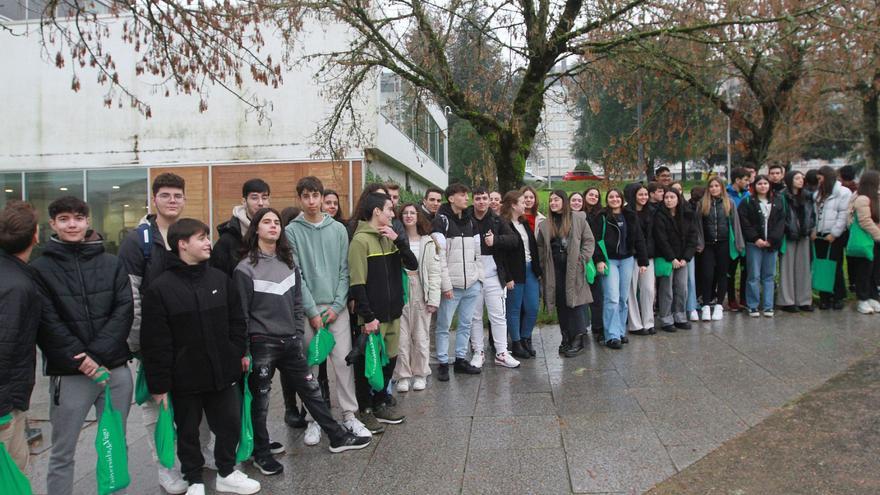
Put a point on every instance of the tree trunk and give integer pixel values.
(510, 162)
(870, 129)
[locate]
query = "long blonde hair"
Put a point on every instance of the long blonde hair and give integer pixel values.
(706, 201)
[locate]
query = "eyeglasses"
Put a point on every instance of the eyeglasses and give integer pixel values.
(167, 196)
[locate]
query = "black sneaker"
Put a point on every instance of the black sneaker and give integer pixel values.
(683, 325)
(668, 328)
(443, 372)
(462, 366)
(349, 442)
(268, 465)
(385, 414)
(808, 308)
(624, 340)
(276, 448)
(614, 344)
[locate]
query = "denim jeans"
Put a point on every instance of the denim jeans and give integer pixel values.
(761, 265)
(465, 300)
(286, 355)
(692, 286)
(615, 285)
(522, 307)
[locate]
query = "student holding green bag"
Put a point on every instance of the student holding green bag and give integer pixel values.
(270, 286)
(832, 211)
(87, 315)
(862, 249)
(722, 240)
(675, 238)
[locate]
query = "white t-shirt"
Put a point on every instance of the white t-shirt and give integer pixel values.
(521, 229)
(765, 212)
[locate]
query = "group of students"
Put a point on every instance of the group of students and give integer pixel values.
(200, 320)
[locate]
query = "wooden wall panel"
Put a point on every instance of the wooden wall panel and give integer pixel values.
(196, 190)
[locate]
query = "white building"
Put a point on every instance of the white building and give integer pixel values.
(56, 141)
(551, 153)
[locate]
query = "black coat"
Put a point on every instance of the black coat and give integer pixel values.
(635, 241)
(800, 215)
(504, 239)
(20, 308)
(515, 259)
(646, 221)
(751, 221)
(194, 330)
(675, 238)
(87, 306)
(226, 253)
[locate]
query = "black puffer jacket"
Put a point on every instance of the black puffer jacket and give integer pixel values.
(515, 259)
(800, 215)
(635, 241)
(227, 251)
(751, 221)
(716, 225)
(194, 330)
(675, 238)
(504, 240)
(20, 308)
(87, 305)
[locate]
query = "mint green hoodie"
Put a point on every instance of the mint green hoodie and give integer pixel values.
(321, 252)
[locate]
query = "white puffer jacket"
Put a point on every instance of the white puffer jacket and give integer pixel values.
(461, 265)
(429, 270)
(832, 214)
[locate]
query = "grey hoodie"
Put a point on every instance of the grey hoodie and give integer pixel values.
(270, 296)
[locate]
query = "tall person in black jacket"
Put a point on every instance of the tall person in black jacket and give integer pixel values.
(20, 308)
(87, 314)
(227, 251)
(675, 239)
(193, 347)
(762, 221)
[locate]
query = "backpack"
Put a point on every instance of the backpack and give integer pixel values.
(146, 240)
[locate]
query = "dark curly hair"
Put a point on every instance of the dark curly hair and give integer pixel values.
(252, 240)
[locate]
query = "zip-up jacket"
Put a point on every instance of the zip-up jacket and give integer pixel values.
(321, 254)
(460, 262)
(429, 270)
(515, 259)
(270, 296)
(675, 238)
(194, 330)
(504, 240)
(87, 305)
(635, 241)
(832, 213)
(226, 253)
(736, 196)
(800, 215)
(20, 309)
(375, 276)
(142, 270)
(715, 227)
(751, 221)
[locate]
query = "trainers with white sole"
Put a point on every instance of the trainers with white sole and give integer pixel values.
(196, 489)
(478, 359)
(237, 482)
(403, 385)
(718, 313)
(313, 434)
(506, 360)
(357, 428)
(769, 313)
(694, 315)
(864, 307)
(707, 313)
(172, 482)
(875, 305)
(419, 383)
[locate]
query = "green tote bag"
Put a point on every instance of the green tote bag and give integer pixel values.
(824, 271)
(860, 243)
(662, 268)
(112, 467)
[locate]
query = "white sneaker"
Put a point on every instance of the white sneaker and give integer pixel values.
(769, 313)
(237, 482)
(875, 305)
(718, 313)
(478, 359)
(506, 360)
(707, 313)
(172, 482)
(313, 434)
(357, 428)
(403, 385)
(196, 489)
(694, 315)
(865, 308)
(754, 313)
(419, 383)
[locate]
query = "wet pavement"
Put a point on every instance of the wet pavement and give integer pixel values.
(604, 422)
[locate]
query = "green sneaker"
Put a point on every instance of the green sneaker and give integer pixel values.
(385, 414)
(370, 422)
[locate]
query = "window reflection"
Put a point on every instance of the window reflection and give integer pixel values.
(45, 187)
(117, 200)
(11, 186)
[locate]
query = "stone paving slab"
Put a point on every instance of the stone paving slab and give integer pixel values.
(604, 422)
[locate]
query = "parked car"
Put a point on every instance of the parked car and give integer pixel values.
(531, 178)
(581, 175)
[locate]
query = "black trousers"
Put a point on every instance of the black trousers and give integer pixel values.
(866, 273)
(223, 410)
(732, 293)
(836, 254)
(571, 320)
(366, 396)
(596, 307)
(286, 356)
(714, 265)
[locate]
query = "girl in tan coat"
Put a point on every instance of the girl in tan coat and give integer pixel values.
(865, 207)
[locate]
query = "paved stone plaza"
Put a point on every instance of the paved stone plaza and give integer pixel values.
(604, 422)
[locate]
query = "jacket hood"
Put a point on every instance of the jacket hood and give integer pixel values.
(446, 209)
(244, 222)
(177, 265)
(365, 227)
(731, 190)
(91, 246)
(326, 220)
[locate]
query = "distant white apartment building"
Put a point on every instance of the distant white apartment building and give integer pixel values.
(551, 152)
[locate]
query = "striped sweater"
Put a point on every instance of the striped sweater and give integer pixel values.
(271, 296)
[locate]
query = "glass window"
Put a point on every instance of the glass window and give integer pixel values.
(11, 183)
(117, 200)
(45, 187)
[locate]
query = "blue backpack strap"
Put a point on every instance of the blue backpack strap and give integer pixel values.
(143, 231)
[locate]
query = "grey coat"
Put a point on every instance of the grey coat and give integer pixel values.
(581, 244)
